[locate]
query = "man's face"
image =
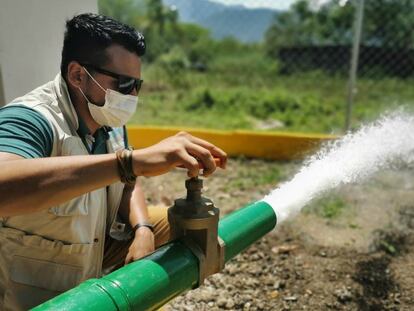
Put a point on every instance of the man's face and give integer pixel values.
(122, 62)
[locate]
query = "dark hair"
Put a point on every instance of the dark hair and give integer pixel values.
(88, 35)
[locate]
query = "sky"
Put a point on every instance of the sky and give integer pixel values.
(273, 4)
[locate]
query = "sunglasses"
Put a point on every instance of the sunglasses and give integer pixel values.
(125, 84)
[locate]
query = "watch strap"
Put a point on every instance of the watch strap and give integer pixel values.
(142, 224)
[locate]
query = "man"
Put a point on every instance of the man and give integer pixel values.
(69, 205)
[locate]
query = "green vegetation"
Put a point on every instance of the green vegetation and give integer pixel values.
(248, 96)
(332, 24)
(392, 242)
(254, 176)
(328, 207)
(192, 80)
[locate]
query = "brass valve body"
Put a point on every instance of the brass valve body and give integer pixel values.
(195, 220)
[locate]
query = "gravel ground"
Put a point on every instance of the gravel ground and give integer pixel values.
(360, 259)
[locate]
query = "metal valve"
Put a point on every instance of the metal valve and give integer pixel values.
(195, 219)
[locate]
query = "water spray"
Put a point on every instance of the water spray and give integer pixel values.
(383, 144)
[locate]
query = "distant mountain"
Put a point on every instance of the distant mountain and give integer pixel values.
(244, 24)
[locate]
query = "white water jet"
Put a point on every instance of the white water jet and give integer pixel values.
(351, 159)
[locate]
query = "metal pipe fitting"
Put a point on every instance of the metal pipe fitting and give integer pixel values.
(195, 220)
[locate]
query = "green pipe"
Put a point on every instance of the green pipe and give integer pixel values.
(149, 283)
(245, 226)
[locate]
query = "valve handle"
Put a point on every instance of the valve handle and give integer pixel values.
(217, 161)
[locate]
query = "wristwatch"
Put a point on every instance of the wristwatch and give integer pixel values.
(142, 224)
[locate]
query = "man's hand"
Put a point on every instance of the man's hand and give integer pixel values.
(182, 149)
(142, 245)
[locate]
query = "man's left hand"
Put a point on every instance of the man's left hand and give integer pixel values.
(142, 245)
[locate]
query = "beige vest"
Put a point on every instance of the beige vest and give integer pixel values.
(45, 253)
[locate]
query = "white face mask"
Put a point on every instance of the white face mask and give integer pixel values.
(116, 111)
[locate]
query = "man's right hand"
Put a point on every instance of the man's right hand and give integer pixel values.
(182, 149)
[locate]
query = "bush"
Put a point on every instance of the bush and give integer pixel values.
(174, 61)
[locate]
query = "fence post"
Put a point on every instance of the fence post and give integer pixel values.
(352, 89)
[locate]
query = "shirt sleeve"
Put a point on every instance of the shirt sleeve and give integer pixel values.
(25, 132)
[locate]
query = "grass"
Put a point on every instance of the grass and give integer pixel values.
(252, 177)
(251, 174)
(329, 207)
(245, 91)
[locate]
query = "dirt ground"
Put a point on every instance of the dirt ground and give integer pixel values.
(362, 258)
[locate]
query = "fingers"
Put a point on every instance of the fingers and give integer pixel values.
(180, 150)
(128, 259)
(136, 254)
(214, 150)
(131, 256)
(205, 156)
(190, 163)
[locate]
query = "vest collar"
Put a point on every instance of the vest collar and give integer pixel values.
(65, 103)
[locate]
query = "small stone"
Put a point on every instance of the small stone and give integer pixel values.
(343, 295)
(205, 296)
(397, 298)
(221, 301)
(230, 304)
(284, 249)
(247, 306)
(273, 294)
(256, 271)
(233, 269)
(290, 298)
(248, 297)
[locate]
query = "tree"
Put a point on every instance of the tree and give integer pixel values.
(304, 26)
(157, 22)
(387, 23)
(130, 12)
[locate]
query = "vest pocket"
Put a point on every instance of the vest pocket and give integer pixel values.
(34, 269)
(74, 207)
(41, 243)
(34, 281)
(44, 274)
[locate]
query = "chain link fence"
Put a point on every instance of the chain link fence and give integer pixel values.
(368, 44)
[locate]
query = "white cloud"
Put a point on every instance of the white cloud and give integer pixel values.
(273, 4)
